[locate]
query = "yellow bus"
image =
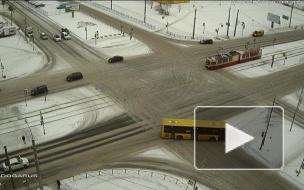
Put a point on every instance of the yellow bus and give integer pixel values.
(184, 129)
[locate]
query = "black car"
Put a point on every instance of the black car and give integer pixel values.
(207, 41)
(74, 76)
(116, 58)
(65, 30)
(39, 90)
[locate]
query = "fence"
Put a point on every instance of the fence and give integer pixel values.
(287, 28)
(182, 37)
(122, 14)
(143, 173)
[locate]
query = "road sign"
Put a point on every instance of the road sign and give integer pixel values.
(273, 18)
(285, 17)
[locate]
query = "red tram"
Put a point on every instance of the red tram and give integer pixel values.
(233, 58)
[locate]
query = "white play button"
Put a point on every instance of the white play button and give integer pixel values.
(235, 138)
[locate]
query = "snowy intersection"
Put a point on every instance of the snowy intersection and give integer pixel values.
(63, 110)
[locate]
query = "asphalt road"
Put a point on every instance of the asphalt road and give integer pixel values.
(171, 82)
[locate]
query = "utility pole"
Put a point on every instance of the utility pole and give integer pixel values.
(228, 24)
(301, 167)
(10, 168)
(25, 94)
(299, 102)
(236, 21)
(37, 165)
(11, 9)
(264, 137)
(25, 29)
(291, 14)
(2, 68)
(194, 24)
(42, 122)
(111, 4)
(272, 60)
(145, 12)
(33, 42)
(86, 30)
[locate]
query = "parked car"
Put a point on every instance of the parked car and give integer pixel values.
(65, 30)
(62, 6)
(74, 76)
(39, 5)
(43, 36)
(39, 90)
(57, 38)
(116, 58)
(65, 36)
(16, 163)
(206, 41)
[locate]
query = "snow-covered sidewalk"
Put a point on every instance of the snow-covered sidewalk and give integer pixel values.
(126, 178)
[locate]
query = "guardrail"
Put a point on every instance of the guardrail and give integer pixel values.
(122, 14)
(297, 27)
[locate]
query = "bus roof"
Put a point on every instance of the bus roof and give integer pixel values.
(190, 123)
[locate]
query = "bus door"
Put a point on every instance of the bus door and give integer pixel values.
(221, 134)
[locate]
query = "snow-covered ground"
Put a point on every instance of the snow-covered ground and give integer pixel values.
(126, 178)
(63, 113)
(55, 109)
(17, 56)
(253, 15)
(110, 39)
(254, 122)
(294, 56)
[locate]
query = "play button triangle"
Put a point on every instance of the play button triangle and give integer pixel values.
(235, 138)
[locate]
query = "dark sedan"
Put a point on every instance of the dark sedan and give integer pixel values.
(207, 41)
(116, 58)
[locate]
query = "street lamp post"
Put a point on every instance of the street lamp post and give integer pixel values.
(194, 24)
(2, 68)
(25, 94)
(86, 30)
(145, 11)
(301, 167)
(228, 23)
(11, 10)
(42, 122)
(291, 14)
(45, 96)
(236, 22)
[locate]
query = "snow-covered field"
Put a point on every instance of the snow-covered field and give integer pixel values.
(60, 109)
(63, 113)
(253, 15)
(254, 122)
(262, 67)
(18, 57)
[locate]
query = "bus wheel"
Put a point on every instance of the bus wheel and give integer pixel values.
(179, 137)
(212, 139)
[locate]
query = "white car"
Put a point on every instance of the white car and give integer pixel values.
(43, 36)
(65, 36)
(57, 38)
(16, 163)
